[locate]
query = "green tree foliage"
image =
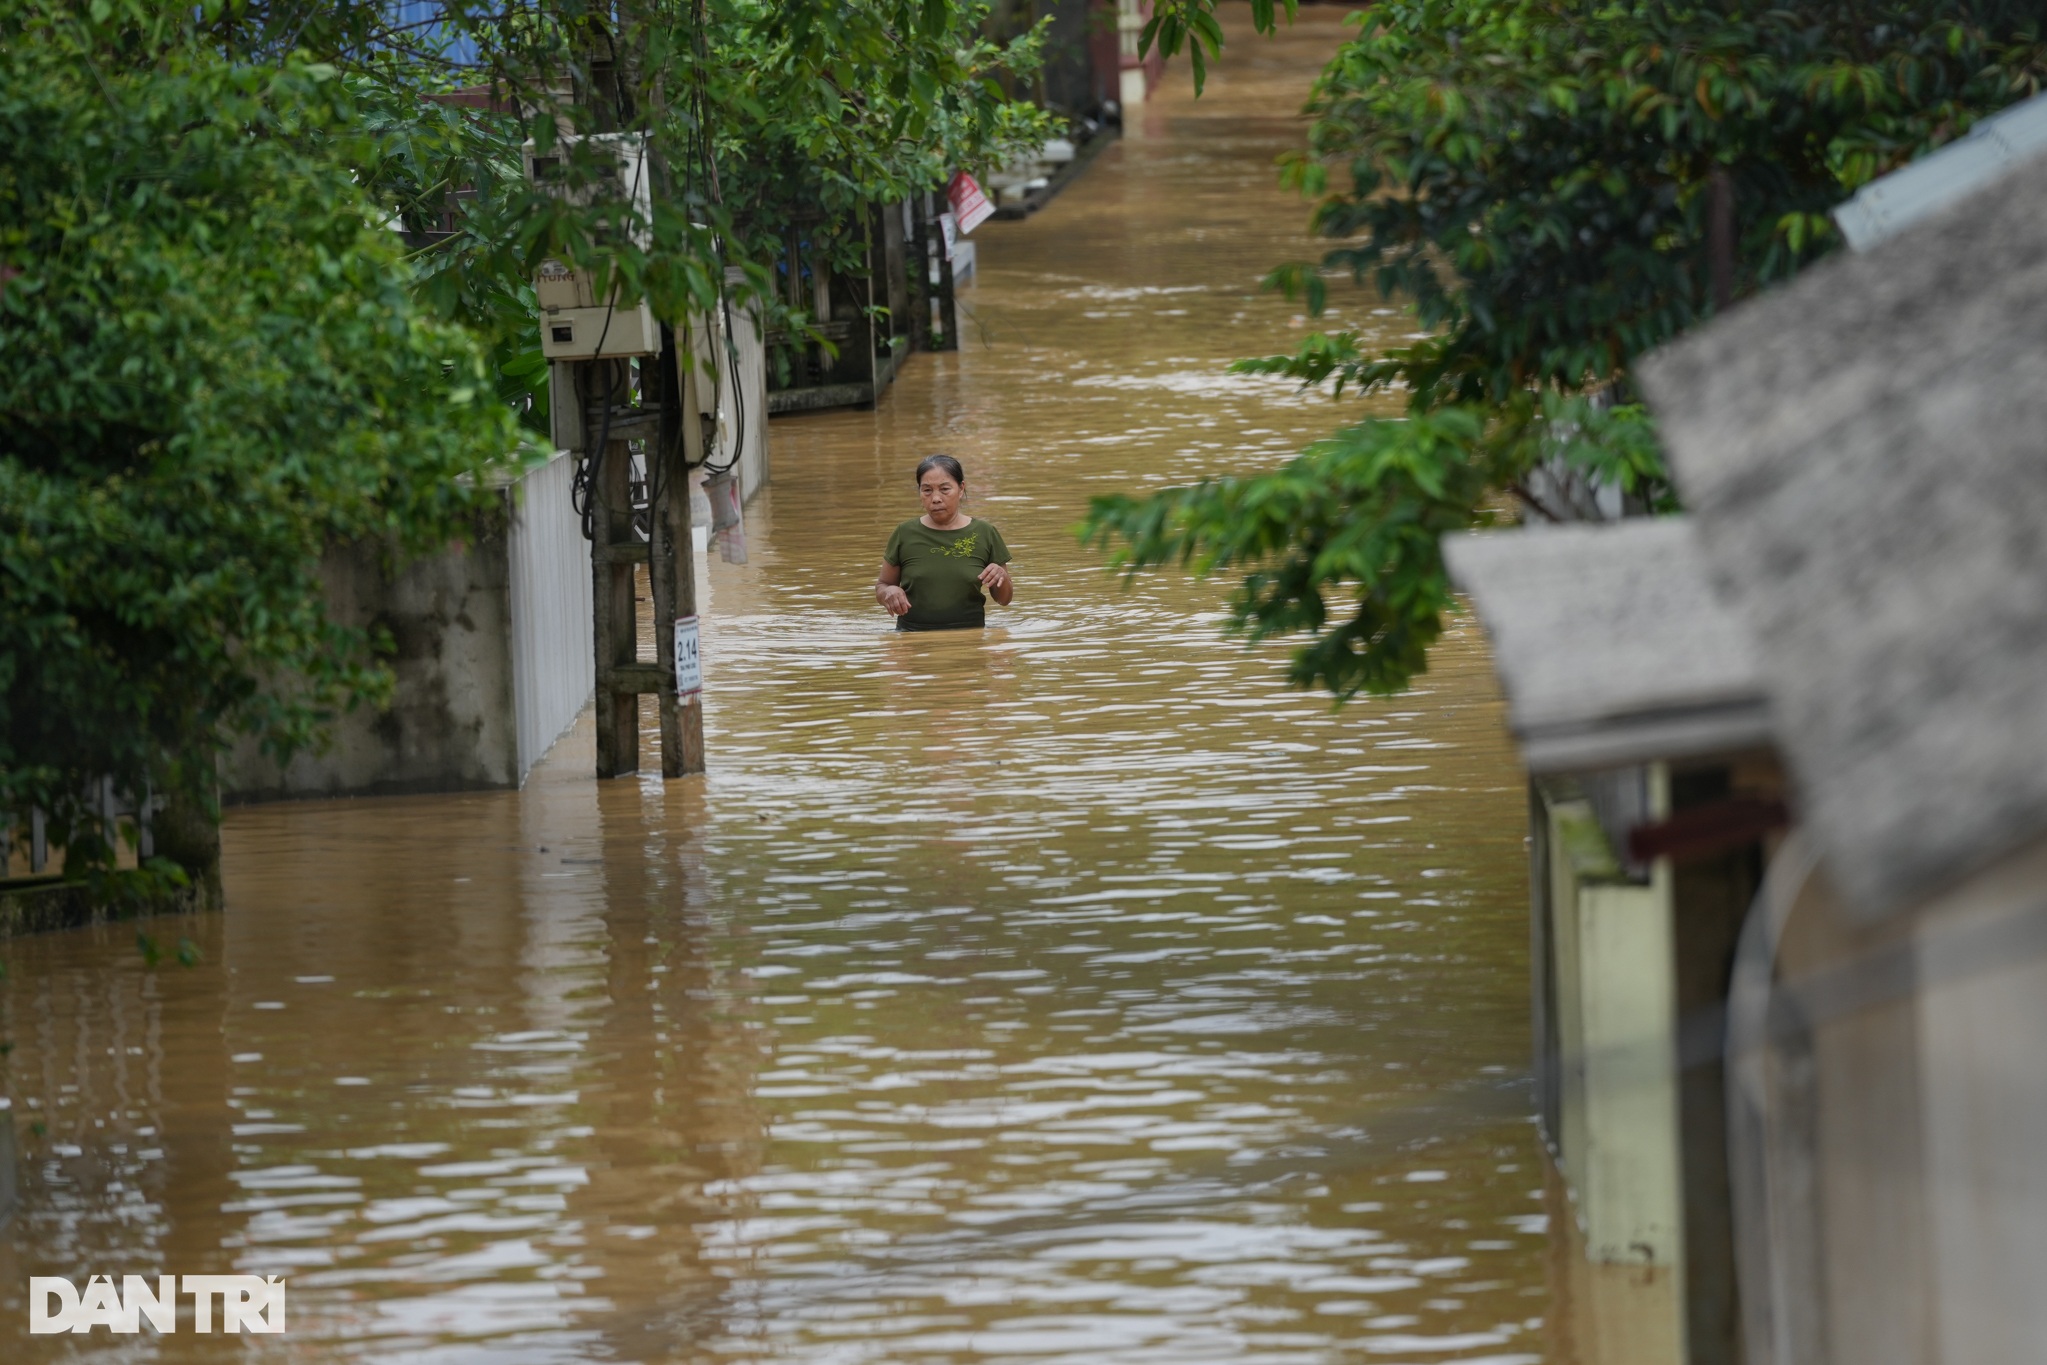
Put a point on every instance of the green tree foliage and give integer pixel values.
(265, 277)
(759, 115)
(1538, 180)
(1191, 24)
(210, 367)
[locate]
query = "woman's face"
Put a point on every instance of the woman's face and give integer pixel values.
(940, 494)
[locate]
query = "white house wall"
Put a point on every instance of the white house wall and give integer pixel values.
(1982, 1019)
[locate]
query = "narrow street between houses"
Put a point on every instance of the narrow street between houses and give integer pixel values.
(1074, 992)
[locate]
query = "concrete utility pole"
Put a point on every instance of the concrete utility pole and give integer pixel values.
(619, 386)
(617, 549)
(673, 575)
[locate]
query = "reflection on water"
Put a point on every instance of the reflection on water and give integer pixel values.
(1072, 991)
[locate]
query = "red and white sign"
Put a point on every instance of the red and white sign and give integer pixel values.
(970, 207)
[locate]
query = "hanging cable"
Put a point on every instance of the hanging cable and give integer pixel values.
(591, 468)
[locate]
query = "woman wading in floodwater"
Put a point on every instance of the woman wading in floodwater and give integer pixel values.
(935, 567)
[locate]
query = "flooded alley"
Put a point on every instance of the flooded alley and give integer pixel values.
(1073, 992)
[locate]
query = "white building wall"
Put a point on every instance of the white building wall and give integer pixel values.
(1982, 1016)
(748, 396)
(740, 401)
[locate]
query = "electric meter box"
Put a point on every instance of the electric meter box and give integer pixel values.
(599, 333)
(574, 323)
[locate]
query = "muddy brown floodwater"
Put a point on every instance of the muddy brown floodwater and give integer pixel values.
(1074, 992)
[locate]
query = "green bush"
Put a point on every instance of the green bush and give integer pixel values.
(1538, 181)
(211, 367)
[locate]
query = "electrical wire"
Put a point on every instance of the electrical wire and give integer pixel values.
(591, 468)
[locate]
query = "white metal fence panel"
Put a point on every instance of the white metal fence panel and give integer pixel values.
(553, 651)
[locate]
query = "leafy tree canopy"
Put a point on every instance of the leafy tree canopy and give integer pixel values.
(210, 366)
(265, 285)
(1539, 181)
(760, 114)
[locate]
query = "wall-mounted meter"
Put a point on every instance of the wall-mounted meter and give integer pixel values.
(574, 323)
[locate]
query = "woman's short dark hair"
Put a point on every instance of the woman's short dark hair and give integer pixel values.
(945, 462)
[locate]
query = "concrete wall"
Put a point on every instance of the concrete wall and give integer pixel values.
(1982, 1021)
(1902, 1162)
(493, 656)
(1832, 1256)
(1921, 1109)
(1611, 1020)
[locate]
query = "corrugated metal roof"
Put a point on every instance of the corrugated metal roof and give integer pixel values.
(1986, 152)
(1610, 643)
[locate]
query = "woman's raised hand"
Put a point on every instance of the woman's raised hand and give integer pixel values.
(995, 578)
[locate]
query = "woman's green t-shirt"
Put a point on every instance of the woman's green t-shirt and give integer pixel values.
(942, 572)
